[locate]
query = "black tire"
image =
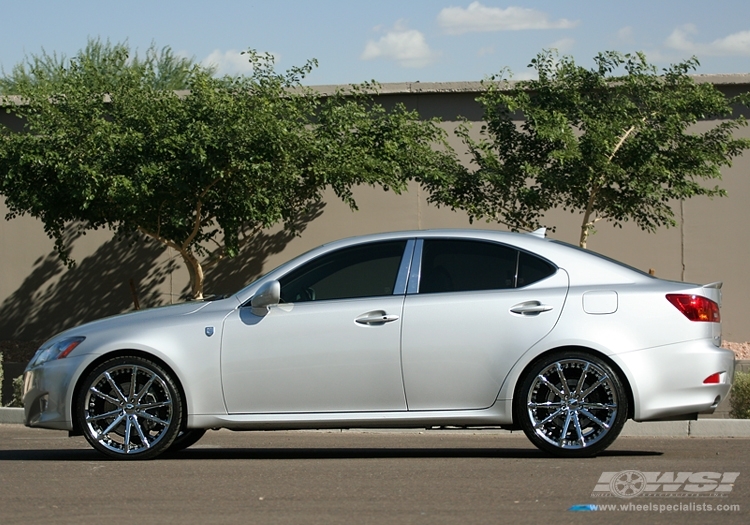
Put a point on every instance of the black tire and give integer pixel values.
(186, 438)
(571, 404)
(125, 422)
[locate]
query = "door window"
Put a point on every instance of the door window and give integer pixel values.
(463, 266)
(368, 270)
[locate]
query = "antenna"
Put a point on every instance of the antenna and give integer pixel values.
(541, 232)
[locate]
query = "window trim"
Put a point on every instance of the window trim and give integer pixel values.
(404, 270)
(416, 266)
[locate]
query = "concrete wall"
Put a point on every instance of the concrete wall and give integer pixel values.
(39, 296)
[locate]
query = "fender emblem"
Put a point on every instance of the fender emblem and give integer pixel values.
(209, 331)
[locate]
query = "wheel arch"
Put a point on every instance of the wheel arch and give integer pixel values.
(77, 430)
(572, 348)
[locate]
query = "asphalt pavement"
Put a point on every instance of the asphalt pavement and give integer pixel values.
(327, 477)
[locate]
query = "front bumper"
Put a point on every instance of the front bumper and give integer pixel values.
(48, 392)
(667, 381)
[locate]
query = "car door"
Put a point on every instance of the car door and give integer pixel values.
(331, 345)
(472, 310)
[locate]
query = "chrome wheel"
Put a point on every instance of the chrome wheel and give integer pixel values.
(130, 408)
(573, 405)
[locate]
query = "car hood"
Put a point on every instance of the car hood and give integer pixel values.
(149, 315)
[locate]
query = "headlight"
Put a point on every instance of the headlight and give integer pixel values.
(56, 350)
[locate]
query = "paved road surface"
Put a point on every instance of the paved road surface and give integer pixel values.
(433, 477)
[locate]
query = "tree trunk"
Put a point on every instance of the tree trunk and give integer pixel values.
(195, 270)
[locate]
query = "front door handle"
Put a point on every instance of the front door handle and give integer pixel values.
(530, 308)
(376, 318)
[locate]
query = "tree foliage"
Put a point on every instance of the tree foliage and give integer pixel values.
(199, 171)
(169, 70)
(617, 142)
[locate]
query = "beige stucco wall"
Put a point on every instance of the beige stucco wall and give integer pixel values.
(39, 296)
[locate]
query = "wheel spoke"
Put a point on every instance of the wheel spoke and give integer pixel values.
(566, 426)
(149, 406)
(593, 387)
(581, 380)
(115, 387)
(546, 404)
(133, 381)
(563, 381)
(155, 419)
(598, 406)
(548, 419)
(104, 396)
(577, 423)
(106, 415)
(594, 419)
(128, 425)
(144, 390)
(549, 385)
(139, 430)
(111, 426)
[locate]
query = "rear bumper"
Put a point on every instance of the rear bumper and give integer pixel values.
(667, 381)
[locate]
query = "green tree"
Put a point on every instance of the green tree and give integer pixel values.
(617, 142)
(200, 170)
(170, 71)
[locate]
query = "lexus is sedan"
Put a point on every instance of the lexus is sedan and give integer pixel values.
(459, 328)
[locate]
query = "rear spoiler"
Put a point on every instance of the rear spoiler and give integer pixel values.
(716, 286)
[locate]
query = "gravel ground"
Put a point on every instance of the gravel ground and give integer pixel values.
(741, 350)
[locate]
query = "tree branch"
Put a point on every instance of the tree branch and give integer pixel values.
(198, 217)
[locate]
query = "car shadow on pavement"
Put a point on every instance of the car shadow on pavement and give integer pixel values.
(206, 453)
(378, 453)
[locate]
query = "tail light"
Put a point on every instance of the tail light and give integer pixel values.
(696, 307)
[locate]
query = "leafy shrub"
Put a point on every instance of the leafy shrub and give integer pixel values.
(17, 400)
(740, 400)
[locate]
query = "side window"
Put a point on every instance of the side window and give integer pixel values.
(532, 269)
(463, 266)
(369, 270)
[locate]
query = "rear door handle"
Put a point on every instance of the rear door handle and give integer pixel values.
(376, 318)
(530, 308)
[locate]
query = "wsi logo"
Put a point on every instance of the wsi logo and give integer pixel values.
(632, 483)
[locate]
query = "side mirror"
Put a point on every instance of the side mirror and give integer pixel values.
(269, 294)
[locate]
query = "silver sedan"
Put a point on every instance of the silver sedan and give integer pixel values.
(412, 329)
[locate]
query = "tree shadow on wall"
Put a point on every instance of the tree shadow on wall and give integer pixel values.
(230, 275)
(53, 298)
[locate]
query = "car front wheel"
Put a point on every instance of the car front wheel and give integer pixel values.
(129, 408)
(572, 404)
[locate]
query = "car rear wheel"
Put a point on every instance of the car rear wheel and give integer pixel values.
(572, 404)
(130, 408)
